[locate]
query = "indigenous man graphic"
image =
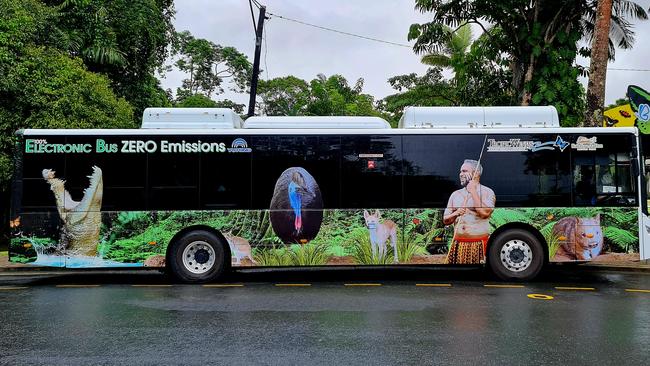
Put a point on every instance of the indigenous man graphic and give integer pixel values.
(469, 209)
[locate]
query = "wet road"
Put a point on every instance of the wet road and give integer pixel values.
(327, 317)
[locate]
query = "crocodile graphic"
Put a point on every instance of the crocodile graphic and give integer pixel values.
(81, 220)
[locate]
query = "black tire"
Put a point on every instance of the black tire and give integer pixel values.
(205, 257)
(517, 246)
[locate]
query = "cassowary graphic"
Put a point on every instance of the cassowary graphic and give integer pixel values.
(296, 206)
(296, 190)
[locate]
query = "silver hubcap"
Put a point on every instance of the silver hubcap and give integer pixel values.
(198, 257)
(516, 255)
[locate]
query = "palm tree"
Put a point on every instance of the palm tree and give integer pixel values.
(621, 33)
(598, 64)
(606, 27)
(454, 52)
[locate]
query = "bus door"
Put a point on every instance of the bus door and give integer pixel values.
(644, 184)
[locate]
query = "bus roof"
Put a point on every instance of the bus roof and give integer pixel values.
(333, 131)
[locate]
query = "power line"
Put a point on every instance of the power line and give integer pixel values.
(340, 32)
(619, 69)
(250, 3)
(266, 49)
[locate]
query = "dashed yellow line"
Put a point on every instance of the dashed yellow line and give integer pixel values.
(433, 284)
(293, 284)
(503, 286)
(151, 285)
(224, 285)
(361, 284)
(540, 297)
(13, 288)
(575, 288)
(76, 286)
(637, 290)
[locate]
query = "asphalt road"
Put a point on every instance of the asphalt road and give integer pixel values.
(364, 317)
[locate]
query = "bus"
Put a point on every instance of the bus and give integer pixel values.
(198, 192)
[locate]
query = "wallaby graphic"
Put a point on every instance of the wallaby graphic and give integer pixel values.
(239, 248)
(380, 232)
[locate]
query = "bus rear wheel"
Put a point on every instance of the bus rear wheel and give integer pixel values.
(197, 257)
(517, 255)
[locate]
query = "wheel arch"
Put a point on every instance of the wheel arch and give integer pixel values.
(188, 229)
(521, 226)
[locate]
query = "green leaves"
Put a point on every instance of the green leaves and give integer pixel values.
(623, 239)
(209, 65)
(322, 96)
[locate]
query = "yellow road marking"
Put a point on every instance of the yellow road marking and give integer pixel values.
(504, 286)
(13, 288)
(361, 284)
(74, 286)
(293, 284)
(224, 285)
(433, 284)
(151, 285)
(637, 290)
(575, 288)
(540, 297)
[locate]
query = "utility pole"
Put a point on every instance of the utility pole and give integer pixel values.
(259, 32)
(598, 65)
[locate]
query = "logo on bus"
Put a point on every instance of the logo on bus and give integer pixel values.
(587, 144)
(239, 145)
(514, 145)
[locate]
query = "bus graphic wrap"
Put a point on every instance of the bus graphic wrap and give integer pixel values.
(421, 237)
(316, 200)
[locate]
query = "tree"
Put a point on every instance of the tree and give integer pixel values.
(43, 87)
(209, 65)
(202, 101)
(431, 89)
(285, 96)
(454, 51)
(123, 39)
(539, 37)
(322, 96)
(333, 96)
(598, 65)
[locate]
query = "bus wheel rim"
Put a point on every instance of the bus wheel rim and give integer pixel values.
(516, 255)
(198, 257)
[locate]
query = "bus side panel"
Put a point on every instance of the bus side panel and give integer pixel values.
(16, 196)
(35, 221)
(604, 234)
(345, 237)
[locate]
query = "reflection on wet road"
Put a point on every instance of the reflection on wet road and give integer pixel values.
(325, 317)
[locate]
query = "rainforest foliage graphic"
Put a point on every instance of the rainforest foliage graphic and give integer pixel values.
(132, 237)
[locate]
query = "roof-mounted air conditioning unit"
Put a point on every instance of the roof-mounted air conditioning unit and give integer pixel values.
(479, 117)
(199, 118)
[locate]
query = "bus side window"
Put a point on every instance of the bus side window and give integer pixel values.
(432, 164)
(173, 182)
(527, 178)
(319, 156)
(604, 177)
(225, 179)
(371, 171)
(123, 175)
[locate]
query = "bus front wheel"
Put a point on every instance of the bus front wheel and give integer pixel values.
(196, 257)
(516, 254)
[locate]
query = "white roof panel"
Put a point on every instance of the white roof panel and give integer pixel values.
(209, 118)
(315, 122)
(479, 117)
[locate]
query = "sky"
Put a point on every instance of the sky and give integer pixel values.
(303, 51)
